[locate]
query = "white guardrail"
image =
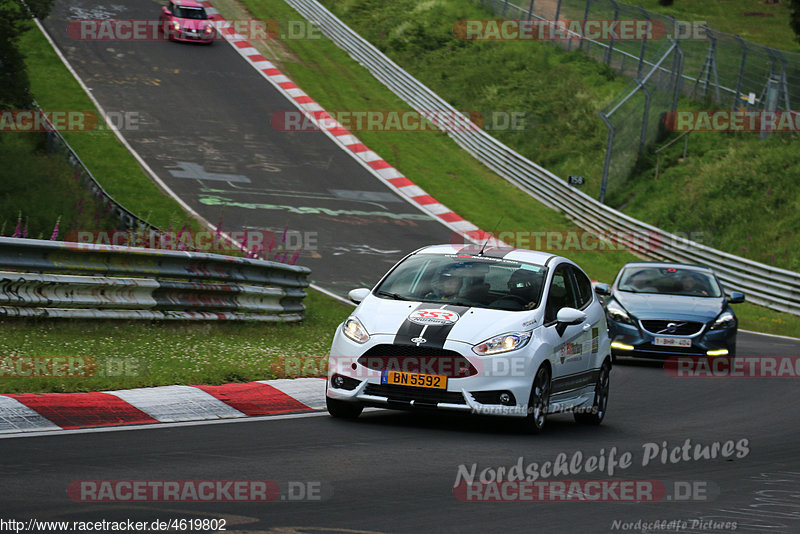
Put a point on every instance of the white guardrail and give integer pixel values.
(70, 280)
(763, 284)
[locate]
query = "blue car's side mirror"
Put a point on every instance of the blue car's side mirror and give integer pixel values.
(736, 297)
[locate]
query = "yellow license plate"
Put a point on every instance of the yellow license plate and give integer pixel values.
(419, 380)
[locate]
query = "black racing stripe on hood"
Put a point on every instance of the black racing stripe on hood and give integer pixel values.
(409, 330)
(434, 335)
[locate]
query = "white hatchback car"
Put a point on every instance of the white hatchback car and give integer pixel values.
(495, 331)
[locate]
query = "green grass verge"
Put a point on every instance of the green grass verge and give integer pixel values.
(108, 160)
(38, 190)
(760, 22)
(110, 355)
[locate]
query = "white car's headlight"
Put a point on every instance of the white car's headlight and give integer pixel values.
(353, 329)
(725, 320)
(502, 343)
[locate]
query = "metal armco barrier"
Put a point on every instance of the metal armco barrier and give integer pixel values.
(763, 284)
(127, 220)
(58, 279)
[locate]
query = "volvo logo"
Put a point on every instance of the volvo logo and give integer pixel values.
(418, 340)
(671, 328)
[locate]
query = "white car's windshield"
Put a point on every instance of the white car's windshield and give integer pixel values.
(467, 281)
(669, 281)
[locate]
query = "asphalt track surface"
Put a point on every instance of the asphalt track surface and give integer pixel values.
(387, 471)
(203, 124)
(395, 471)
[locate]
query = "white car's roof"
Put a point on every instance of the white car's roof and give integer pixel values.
(513, 254)
(663, 264)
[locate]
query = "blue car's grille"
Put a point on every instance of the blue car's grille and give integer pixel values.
(672, 328)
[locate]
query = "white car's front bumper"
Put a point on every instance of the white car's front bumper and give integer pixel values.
(511, 372)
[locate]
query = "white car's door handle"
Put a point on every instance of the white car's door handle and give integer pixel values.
(587, 326)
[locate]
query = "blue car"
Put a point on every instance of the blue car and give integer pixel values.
(659, 310)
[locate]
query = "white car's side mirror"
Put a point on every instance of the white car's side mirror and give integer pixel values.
(567, 317)
(357, 295)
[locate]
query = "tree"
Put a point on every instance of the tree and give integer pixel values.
(794, 21)
(14, 20)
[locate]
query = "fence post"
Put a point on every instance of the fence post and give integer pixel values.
(505, 6)
(606, 163)
(644, 44)
(738, 94)
(583, 24)
(709, 67)
(643, 133)
(771, 103)
(530, 11)
(610, 48)
(784, 85)
(677, 70)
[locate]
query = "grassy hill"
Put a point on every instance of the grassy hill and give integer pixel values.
(738, 192)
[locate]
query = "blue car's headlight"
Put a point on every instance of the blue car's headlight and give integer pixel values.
(502, 343)
(726, 319)
(617, 313)
(353, 329)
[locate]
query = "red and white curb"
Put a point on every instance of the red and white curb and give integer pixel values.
(35, 412)
(358, 150)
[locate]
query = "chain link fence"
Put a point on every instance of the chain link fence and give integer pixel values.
(675, 58)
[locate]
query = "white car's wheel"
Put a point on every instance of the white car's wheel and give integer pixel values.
(342, 409)
(539, 401)
(601, 388)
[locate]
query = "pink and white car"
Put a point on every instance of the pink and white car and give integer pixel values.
(186, 20)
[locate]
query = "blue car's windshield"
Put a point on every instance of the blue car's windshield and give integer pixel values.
(467, 281)
(669, 281)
